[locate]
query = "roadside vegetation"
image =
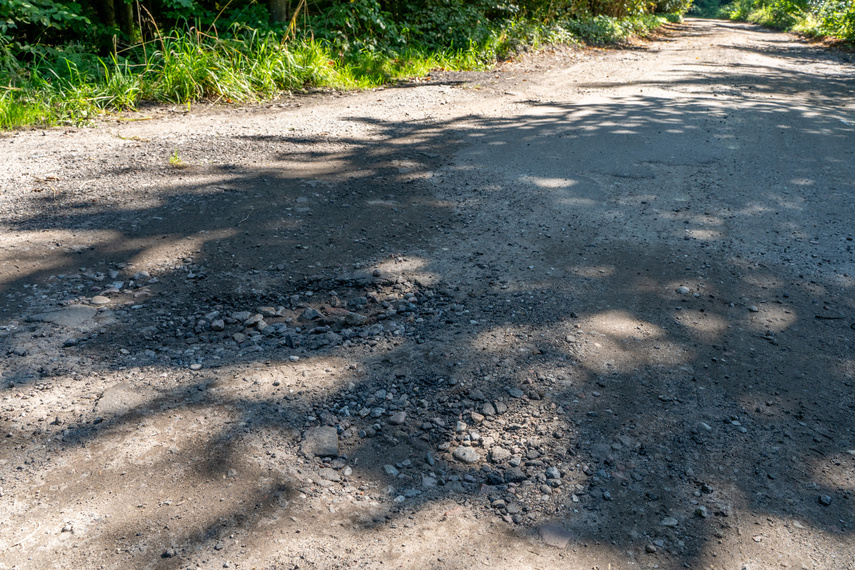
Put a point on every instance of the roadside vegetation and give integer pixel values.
(64, 62)
(813, 18)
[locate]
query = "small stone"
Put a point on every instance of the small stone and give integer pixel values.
(825, 500)
(195, 366)
(553, 473)
(309, 314)
(650, 549)
(514, 475)
(701, 512)
(460, 427)
(555, 535)
(683, 290)
(99, 300)
(398, 418)
(607, 496)
(329, 474)
(753, 309)
(391, 470)
(669, 521)
(488, 410)
(253, 320)
(516, 392)
(477, 395)
(355, 319)
(466, 454)
(320, 442)
(476, 417)
(168, 553)
(218, 325)
(498, 454)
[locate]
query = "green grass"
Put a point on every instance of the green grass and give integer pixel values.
(53, 86)
(819, 18)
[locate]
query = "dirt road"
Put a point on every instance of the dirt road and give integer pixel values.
(594, 309)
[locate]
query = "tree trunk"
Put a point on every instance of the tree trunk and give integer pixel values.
(107, 10)
(125, 18)
(278, 11)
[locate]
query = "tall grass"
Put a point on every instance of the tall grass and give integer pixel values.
(60, 86)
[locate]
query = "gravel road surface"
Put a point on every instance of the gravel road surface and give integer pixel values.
(591, 309)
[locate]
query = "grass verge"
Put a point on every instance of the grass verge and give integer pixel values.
(69, 85)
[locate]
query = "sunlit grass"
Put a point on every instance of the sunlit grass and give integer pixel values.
(66, 86)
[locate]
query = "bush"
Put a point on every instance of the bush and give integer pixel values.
(836, 18)
(813, 17)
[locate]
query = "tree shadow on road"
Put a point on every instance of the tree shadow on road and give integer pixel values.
(631, 281)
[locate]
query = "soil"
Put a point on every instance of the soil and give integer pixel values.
(592, 309)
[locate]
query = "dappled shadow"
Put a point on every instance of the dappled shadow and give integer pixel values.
(640, 283)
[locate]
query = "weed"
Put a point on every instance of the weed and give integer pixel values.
(176, 161)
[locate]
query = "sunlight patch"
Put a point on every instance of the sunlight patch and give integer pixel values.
(593, 271)
(705, 235)
(705, 326)
(616, 341)
(410, 268)
(771, 317)
(548, 182)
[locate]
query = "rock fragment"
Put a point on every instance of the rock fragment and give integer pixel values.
(466, 454)
(320, 442)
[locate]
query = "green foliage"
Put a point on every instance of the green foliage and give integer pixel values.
(708, 9)
(835, 18)
(738, 9)
(450, 23)
(358, 24)
(612, 8)
(600, 30)
(783, 14)
(812, 17)
(234, 54)
(678, 7)
(19, 16)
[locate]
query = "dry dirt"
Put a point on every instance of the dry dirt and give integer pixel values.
(593, 309)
